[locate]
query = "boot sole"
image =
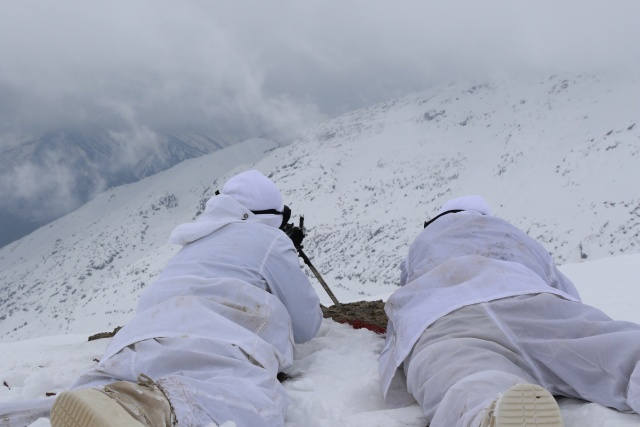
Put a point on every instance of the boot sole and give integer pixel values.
(527, 405)
(89, 408)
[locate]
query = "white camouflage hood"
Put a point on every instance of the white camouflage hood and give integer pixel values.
(241, 194)
(219, 211)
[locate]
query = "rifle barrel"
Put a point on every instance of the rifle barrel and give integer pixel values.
(318, 276)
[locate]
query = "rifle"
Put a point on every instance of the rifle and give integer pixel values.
(296, 234)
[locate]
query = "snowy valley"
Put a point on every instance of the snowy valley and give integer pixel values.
(44, 177)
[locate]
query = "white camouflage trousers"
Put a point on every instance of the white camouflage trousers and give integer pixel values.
(464, 360)
(207, 381)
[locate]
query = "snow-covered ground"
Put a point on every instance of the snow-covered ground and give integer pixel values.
(335, 378)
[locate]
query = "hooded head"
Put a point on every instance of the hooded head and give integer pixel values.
(467, 203)
(259, 194)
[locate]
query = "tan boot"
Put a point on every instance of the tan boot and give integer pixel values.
(523, 405)
(119, 404)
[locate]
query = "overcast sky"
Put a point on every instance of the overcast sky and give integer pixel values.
(273, 68)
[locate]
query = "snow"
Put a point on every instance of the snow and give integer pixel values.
(366, 181)
(334, 376)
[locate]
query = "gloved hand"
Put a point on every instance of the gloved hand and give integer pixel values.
(296, 234)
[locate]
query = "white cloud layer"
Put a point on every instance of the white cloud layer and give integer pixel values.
(251, 68)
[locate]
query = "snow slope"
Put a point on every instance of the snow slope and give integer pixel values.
(335, 377)
(89, 266)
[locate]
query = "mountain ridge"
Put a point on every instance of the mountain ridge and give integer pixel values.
(555, 156)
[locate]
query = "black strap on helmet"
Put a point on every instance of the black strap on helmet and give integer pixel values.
(286, 214)
(426, 223)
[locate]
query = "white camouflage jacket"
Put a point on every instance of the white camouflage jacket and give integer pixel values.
(460, 259)
(235, 280)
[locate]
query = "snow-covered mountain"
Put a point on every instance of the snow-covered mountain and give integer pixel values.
(43, 178)
(557, 156)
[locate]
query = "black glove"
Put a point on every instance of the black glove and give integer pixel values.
(296, 234)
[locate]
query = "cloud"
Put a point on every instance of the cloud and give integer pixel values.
(137, 69)
(51, 184)
(255, 68)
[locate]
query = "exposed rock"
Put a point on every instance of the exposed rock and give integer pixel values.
(104, 334)
(360, 314)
